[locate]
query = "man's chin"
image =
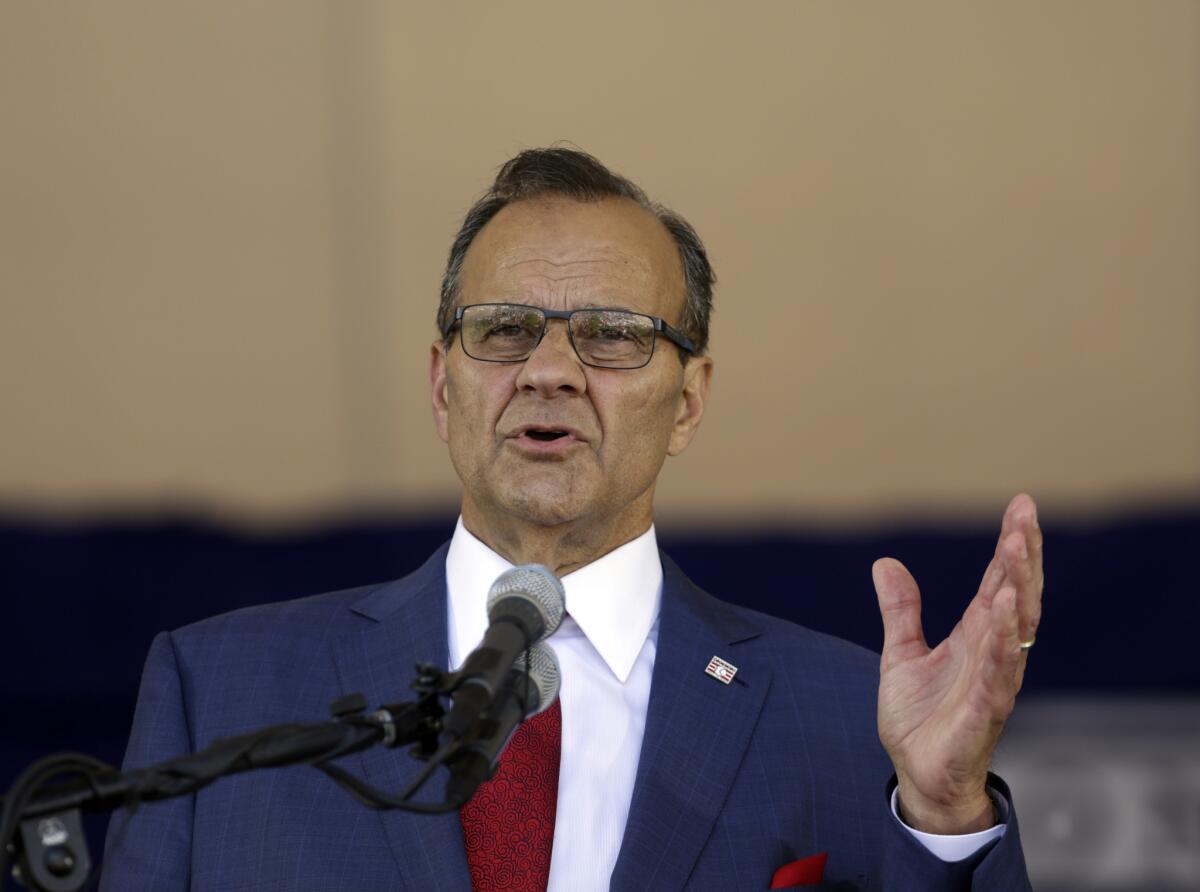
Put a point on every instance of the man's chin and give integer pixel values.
(546, 502)
(542, 489)
(544, 512)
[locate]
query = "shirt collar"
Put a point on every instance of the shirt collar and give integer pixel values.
(614, 599)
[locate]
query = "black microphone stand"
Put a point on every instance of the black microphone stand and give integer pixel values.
(41, 829)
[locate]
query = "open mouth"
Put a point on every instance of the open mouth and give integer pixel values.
(545, 436)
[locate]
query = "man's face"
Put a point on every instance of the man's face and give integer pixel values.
(620, 424)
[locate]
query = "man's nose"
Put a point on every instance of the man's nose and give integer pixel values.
(553, 367)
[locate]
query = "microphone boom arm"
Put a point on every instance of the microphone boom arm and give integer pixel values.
(49, 859)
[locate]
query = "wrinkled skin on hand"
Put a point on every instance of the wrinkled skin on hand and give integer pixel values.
(941, 709)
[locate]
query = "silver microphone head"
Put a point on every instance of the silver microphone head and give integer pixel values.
(535, 584)
(543, 675)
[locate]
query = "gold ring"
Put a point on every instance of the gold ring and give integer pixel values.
(1027, 645)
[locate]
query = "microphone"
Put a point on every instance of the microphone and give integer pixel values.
(525, 604)
(523, 696)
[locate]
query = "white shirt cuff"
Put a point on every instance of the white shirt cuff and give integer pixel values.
(957, 847)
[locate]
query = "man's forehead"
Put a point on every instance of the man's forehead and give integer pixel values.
(568, 258)
(561, 239)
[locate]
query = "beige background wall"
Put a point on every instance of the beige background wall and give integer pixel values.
(958, 244)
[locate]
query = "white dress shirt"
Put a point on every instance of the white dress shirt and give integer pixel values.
(605, 648)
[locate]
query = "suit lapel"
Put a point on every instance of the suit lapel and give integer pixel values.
(405, 623)
(697, 731)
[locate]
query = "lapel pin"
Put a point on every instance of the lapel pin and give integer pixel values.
(720, 670)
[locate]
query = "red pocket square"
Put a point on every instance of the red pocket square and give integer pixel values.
(805, 872)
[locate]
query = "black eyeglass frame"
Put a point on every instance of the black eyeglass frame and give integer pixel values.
(674, 335)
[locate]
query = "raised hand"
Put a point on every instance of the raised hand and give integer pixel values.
(941, 710)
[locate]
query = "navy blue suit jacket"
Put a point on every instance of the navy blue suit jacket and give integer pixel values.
(733, 782)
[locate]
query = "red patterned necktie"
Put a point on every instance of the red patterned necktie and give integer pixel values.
(509, 823)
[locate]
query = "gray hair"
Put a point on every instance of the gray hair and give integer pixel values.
(577, 175)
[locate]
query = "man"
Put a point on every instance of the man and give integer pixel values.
(571, 363)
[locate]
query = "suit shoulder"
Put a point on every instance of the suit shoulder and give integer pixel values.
(798, 635)
(791, 639)
(311, 612)
(316, 616)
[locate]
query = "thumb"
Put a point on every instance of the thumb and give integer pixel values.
(900, 607)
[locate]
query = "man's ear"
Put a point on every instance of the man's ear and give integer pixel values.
(697, 376)
(439, 390)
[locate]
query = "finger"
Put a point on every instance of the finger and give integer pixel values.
(1033, 532)
(1029, 610)
(1022, 567)
(993, 578)
(1036, 542)
(1003, 666)
(1029, 595)
(1019, 514)
(1023, 511)
(900, 607)
(994, 575)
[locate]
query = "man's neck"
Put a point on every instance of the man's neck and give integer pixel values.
(563, 548)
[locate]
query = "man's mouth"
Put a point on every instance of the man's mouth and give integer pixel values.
(546, 439)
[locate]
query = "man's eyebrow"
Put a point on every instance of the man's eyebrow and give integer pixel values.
(620, 307)
(518, 302)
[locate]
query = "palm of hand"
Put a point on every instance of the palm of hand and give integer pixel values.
(941, 710)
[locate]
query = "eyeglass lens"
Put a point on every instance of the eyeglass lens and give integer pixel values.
(510, 333)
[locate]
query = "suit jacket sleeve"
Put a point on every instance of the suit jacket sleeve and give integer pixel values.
(998, 866)
(150, 848)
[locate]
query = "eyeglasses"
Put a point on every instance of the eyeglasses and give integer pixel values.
(607, 339)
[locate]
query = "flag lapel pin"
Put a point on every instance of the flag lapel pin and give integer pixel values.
(720, 670)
